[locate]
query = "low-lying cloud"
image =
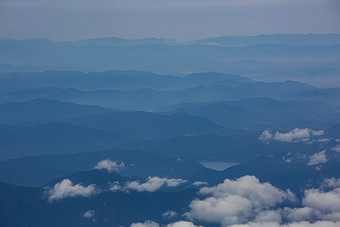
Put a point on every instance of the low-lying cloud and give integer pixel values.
(152, 184)
(145, 224)
(326, 203)
(317, 158)
(336, 148)
(296, 135)
(294, 224)
(169, 214)
(332, 183)
(246, 202)
(237, 201)
(199, 183)
(66, 189)
(110, 165)
(89, 214)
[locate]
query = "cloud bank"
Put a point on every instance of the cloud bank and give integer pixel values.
(237, 201)
(296, 135)
(246, 202)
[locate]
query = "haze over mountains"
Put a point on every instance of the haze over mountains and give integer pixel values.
(265, 57)
(197, 139)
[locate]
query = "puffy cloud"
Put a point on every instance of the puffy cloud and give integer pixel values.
(266, 135)
(257, 224)
(227, 210)
(295, 135)
(182, 224)
(145, 224)
(89, 214)
(169, 214)
(315, 224)
(298, 214)
(317, 158)
(115, 187)
(269, 216)
(238, 201)
(246, 202)
(263, 194)
(153, 184)
(326, 202)
(332, 182)
(318, 205)
(109, 165)
(173, 182)
(294, 224)
(66, 189)
(336, 148)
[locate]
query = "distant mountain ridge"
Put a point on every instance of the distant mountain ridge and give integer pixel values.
(43, 110)
(282, 55)
(294, 39)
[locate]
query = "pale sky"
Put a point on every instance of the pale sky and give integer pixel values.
(175, 19)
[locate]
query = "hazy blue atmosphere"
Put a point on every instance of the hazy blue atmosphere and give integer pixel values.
(172, 19)
(169, 113)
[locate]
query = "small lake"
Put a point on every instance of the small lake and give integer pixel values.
(218, 166)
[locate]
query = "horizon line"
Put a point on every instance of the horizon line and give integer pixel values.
(168, 39)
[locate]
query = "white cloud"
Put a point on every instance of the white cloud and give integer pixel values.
(173, 182)
(323, 140)
(317, 205)
(145, 224)
(256, 224)
(182, 224)
(199, 183)
(169, 214)
(89, 214)
(317, 158)
(109, 165)
(326, 202)
(332, 182)
(294, 224)
(115, 187)
(266, 135)
(298, 214)
(154, 183)
(246, 202)
(66, 189)
(269, 216)
(336, 148)
(286, 159)
(296, 135)
(237, 201)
